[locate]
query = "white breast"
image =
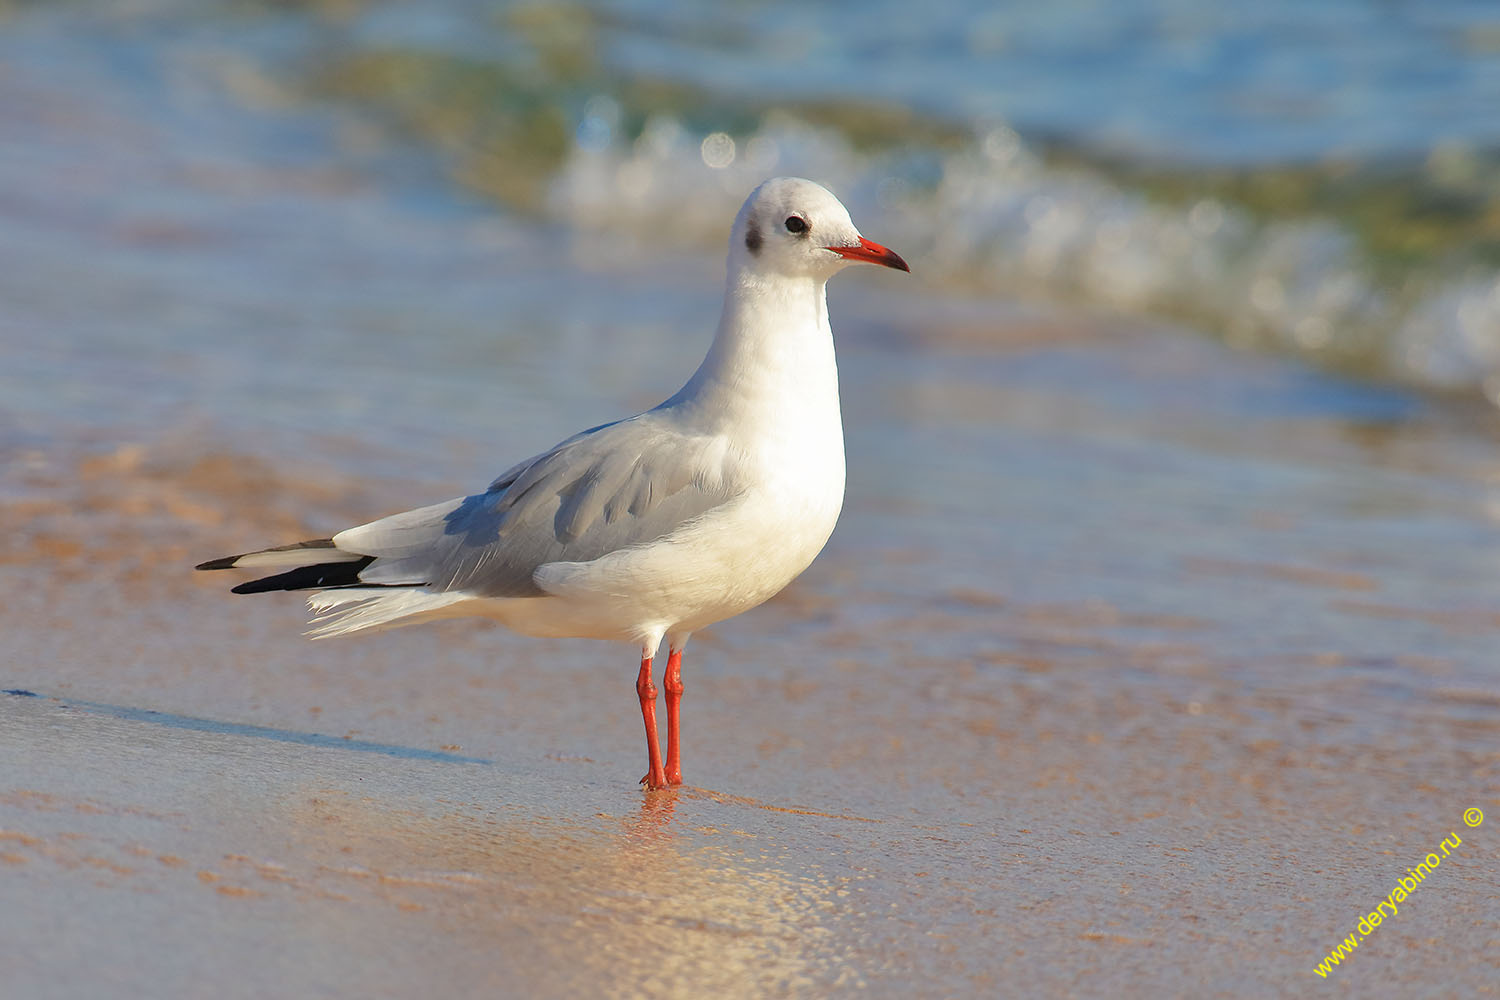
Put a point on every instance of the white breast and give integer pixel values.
(771, 392)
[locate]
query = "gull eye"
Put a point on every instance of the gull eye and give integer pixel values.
(796, 224)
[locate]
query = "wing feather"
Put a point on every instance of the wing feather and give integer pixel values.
(611, 487)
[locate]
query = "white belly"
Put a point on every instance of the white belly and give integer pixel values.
(725, 563)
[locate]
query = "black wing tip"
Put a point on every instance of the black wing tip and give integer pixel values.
(227, 562)
(323, 576)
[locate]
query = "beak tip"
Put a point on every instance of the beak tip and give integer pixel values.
(871, 252)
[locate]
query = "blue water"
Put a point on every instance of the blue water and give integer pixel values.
(970, 181)
(1393, 107)
(1257, 83)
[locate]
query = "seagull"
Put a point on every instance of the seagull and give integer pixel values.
(651, 527)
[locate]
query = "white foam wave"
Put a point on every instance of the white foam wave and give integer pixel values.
(997, 215)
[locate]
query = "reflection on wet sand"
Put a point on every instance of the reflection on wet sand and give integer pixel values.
(307, 846)
(562, 906)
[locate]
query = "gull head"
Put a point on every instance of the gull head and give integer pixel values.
(795, 228)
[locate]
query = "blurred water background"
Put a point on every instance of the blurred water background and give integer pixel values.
(1316, 179)
(401, 244)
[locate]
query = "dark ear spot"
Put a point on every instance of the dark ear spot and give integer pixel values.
(752, 235)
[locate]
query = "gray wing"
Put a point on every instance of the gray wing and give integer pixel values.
(612, 487)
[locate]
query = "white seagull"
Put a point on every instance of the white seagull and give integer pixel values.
(651, 527)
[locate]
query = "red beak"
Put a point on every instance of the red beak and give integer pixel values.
(872, 253)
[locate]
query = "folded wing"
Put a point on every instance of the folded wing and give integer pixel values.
(613, 487)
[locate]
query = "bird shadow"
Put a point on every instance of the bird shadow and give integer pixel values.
(188, 722)
(657, 808)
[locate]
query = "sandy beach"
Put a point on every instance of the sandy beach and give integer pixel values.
(903, 779)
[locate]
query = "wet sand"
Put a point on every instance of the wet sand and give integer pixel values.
(924, 770)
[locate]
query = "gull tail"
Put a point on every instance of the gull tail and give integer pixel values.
(310, 565)
(354, 609)
(345, 602)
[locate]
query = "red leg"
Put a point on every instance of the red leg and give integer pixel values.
(671, 680)
(655, 777)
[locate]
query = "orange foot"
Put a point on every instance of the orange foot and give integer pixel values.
(664, 782)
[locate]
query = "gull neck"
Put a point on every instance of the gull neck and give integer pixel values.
(774, 347)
